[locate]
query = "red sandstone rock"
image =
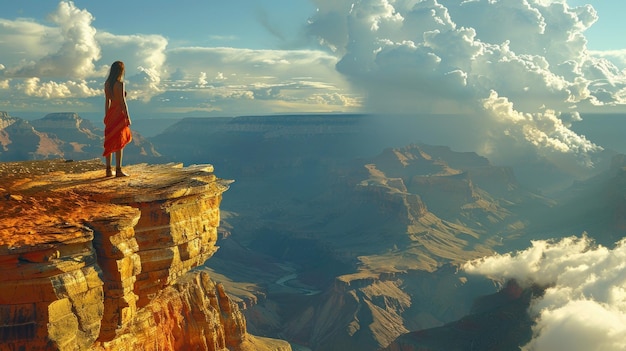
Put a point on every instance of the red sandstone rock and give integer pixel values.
(95, 263)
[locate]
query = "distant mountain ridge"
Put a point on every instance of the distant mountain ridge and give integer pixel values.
(365, 135)
(62, 135)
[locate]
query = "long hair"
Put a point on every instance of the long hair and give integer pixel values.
(115, 74)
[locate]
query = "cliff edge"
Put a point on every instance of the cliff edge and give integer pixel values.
(95, 263)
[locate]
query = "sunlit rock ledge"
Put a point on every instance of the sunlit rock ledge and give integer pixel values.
(95, 263)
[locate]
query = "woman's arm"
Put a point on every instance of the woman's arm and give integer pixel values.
(107, 99)
(124, 106)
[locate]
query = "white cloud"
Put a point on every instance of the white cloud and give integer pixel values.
(402, 55)
(61, 61)
(616, 57)
(24, 40)
(68, 59)
(271, 80)
(584, 306)
(334, 100)
(438, 56)
(56, 90)
(545, 130)
(77, 48)
(220, 76)
(144, 57)
(202, 79)
(580, 325)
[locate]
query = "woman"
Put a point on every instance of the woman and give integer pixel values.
(116, 120)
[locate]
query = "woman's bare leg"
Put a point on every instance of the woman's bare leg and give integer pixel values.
(108, 163)
(118, 164)
(118, 159)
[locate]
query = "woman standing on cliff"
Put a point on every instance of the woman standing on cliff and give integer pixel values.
(116, 120)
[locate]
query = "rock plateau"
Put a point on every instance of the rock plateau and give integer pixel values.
(95, 263)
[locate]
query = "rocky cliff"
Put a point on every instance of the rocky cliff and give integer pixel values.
(596, 206)
(95, 263)
(498, 321)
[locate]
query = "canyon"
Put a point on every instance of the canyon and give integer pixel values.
(370, 225)
(346, 232)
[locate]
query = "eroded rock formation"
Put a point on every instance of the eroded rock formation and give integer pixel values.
(95, 263)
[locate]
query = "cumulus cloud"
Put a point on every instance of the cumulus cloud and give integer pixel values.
(584, 306)
(335, 99)
(202, 79)
(220, 76)
(406, 56)
(548, 130)
(56, 90)
(616, 57)
(448, 56)
(77, 48)
(144, 57)
(70, 58)
(52, 62)
(23, 41)
(67, 59)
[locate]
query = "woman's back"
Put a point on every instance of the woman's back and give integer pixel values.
(116, 93)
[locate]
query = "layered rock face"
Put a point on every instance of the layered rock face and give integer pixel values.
(95, 263)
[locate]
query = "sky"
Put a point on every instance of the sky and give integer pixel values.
(523, 70)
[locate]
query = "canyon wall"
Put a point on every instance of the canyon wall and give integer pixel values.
(95, 263)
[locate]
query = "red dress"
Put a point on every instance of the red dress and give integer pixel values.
(116, 128)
